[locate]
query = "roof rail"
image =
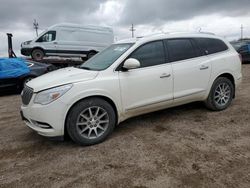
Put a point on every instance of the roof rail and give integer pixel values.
(181, 32)
(151, 35)
(209, 33)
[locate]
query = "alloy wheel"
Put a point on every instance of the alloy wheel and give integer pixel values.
(92, 122)
(222, 94)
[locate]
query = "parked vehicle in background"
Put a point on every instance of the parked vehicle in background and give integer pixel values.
(129, 78)
(69, 40)
(15, 73)
(243, 48)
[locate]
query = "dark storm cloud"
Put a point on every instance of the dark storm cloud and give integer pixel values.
(20, 13)
(151, 12)
(16, 16)
(48, 12)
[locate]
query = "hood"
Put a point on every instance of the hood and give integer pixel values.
(61, 77)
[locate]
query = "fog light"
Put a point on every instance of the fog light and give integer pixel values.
(41, 124)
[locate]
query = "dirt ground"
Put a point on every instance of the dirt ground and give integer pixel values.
(187, 146)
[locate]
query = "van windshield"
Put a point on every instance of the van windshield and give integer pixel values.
(106, 58)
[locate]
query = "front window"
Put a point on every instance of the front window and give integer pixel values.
(47, 37)
(106, 58)
(150, 54)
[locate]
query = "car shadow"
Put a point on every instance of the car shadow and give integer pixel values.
(150, 118)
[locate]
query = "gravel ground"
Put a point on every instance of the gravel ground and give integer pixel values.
(187, 146)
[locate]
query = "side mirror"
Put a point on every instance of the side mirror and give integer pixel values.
(131, 63)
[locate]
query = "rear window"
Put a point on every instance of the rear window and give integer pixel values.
(211, 46)
(180, 49)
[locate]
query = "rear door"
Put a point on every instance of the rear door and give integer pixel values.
(191, 70)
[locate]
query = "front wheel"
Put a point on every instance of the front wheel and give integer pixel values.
(90, 121)
(221, 94)
(37, 55)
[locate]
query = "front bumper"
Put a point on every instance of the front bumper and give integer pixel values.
(26, 51)
(46, 120)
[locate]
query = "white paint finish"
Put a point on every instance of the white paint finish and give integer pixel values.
(136, 91)
(191, 76)
(144, 86)
(61, 77)
(72, 37)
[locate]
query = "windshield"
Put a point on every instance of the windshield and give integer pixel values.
(106, 57)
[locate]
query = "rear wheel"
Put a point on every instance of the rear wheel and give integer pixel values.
(37, 54)
(221, 94)
(90, 121)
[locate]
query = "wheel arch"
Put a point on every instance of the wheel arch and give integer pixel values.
(228, 76)
(105, 98)
(37, 48)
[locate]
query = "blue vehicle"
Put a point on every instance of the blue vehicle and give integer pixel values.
(16, 72)
(243, 48)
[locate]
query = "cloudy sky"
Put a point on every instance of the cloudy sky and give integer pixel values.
(222, 17)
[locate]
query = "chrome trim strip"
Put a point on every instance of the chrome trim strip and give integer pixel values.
(140, 106)
(189, 94)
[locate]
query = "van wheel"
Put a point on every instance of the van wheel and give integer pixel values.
(90, 121)
(37, 54)
(221, 94)
(91, 54)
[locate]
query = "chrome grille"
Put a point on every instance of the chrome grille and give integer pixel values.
(26, 95)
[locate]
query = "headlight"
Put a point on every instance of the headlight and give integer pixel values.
(50, 95)
(27, 43)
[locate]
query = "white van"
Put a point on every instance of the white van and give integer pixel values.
(68, 40)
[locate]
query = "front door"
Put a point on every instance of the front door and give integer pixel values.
(48, 42)
(149, 87)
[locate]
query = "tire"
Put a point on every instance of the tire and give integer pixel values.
(91, 54)
(37, 54)
(221, 94)
(85, 130)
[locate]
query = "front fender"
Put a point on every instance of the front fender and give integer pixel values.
(94, 93)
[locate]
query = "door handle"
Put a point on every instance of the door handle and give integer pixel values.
(204, 67)
(55, 43)
(165, 75)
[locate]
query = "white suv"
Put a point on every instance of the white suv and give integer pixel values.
(130, 78)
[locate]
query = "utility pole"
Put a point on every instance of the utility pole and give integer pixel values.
(132, 29)
(241, 29)
(35, 26)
